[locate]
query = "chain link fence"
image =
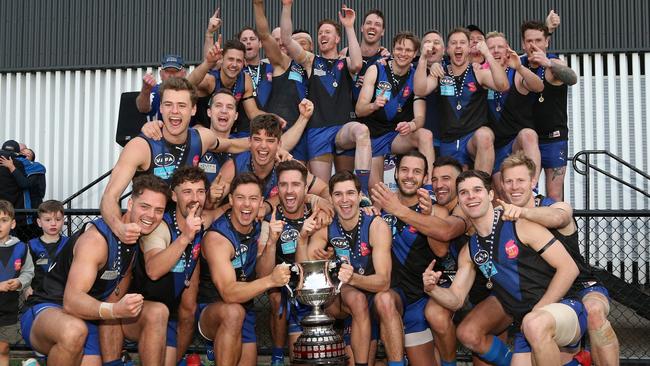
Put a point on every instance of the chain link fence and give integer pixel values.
(615, 243)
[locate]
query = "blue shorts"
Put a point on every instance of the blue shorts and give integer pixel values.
(597, 287)
(501, 154)
(299, 151)
(521, 345)
(172, 333)
(414, 320)
(457, 149)
(91, 347)
(321, 141)
(382, 145)
(296, 315)
(247, 329)
(554, 154)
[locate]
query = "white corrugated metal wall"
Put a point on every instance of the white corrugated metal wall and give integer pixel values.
(69, 118)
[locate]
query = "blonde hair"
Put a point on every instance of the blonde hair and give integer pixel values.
(517, 159)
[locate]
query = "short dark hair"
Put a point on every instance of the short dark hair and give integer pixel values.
(406, 35)
(221, 91)
(268, 122)
(7, 208)
(149, 182)
(534, 25)
(336, 25)
(378, 13)
(292, 165)
(246, 178)
(483, 176)
(415, 154)
(434, 31)
(179, 84)
(245, 29)
(188, 174)
(458, 30)
(344, 176)
(233, 44)
(50, 206)
(448, 160)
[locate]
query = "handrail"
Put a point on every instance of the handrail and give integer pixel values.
(85, 188)
(577, 158)
(583, 157)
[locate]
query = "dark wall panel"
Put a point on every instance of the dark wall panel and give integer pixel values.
(72, 34)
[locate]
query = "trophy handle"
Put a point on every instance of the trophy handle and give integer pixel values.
(296, 270)
(333, 267)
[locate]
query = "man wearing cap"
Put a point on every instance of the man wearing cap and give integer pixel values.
(476, 36)
(148, 101)
(9, 188)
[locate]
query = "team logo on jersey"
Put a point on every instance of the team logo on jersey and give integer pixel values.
(481, 257)
(471, 86)
(196, 250)
(238, 96)
(412, 229)
(339, 242)
(18, 264)
(269, 76)
(339, 65)
(195, 160)
(390, 219)
(406, 92)
(274, 192)
(289, 235)
(164, 159)
(512, 250)
(383, 87)
(365, 249)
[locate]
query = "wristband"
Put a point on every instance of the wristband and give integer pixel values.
(106, 306)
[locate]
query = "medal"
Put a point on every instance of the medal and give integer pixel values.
(458, 106)
(361, 271)
(335, 84)
(498, 108)
(117, 291)
(255, 93)
(488, 284)
(187, 283)
(399, 109)
(541, 98)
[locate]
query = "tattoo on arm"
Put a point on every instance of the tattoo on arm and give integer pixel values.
(564, 73)
(558, 172)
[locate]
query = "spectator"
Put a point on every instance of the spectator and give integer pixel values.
(148, 101)
(17, 275)
(9, 188)
(29, 176)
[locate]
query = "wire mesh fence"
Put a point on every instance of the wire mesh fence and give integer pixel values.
(615, 243)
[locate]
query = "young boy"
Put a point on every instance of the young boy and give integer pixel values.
(16, 273)
(48, 245)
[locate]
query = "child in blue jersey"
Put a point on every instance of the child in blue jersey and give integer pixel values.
(44, 248)
(14, 277)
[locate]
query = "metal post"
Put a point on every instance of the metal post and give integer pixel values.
(588, 207)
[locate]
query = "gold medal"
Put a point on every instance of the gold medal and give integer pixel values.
(488, 284)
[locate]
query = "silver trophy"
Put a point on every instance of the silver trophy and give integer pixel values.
(319, 343)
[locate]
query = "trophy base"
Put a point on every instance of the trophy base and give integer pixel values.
(319, 345)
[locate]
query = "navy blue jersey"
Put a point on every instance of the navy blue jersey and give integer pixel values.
(510, 112)
(42, 254)
(212, 162)
(285, 251)
(432, 121)
(411, 255)
(166, 157)
(399, 106)
(520, 275)
(243, 261)
(12, 259)
(549, 107)
(586, 278)
(463, 106)
(357, 250)
(169, 288)
(330, 88)
(358, 79)
(288, 90)
(261, 78)
(244, 163)
(120, 257)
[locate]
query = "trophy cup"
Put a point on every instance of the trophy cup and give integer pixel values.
(319, 343)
